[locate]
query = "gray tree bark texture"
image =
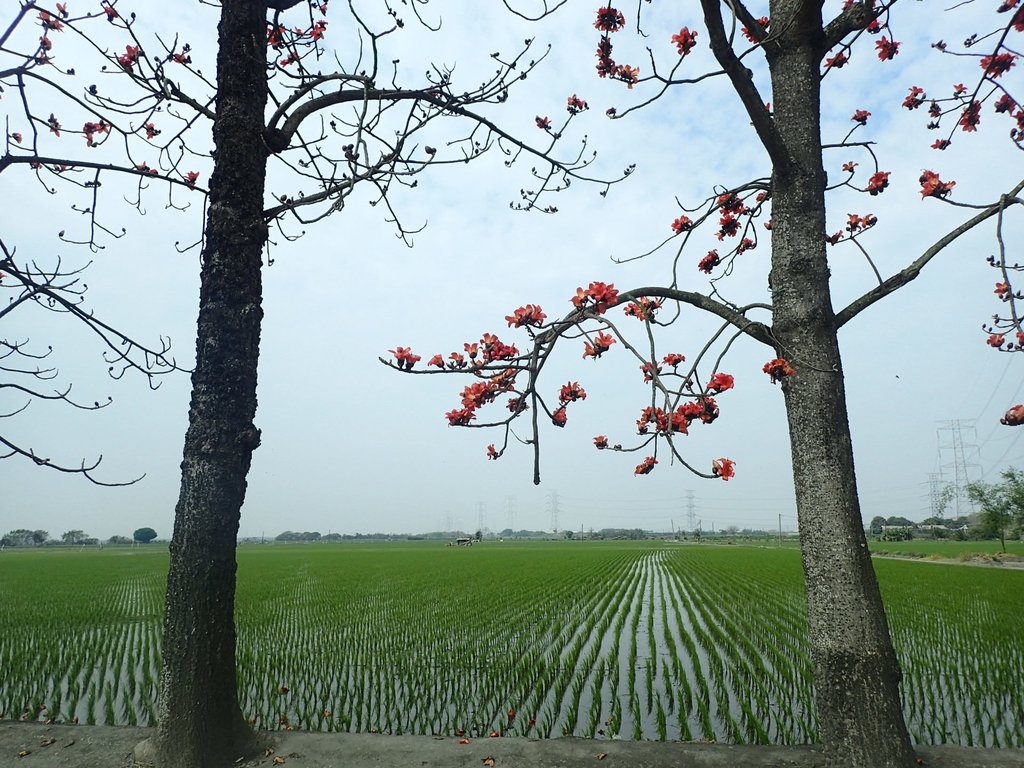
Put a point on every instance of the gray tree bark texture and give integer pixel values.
(200, 722)
(857, 675)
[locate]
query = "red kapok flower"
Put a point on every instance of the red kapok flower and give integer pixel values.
(681, 420)
(878, 182)
(91, 129)
(999, 64)
(933, 186)
(915, 98)
(609, 19)
(941, 143)
(1014, 417)
(643, 308)
(558, 418)
(528, 315)
(129, 57)
(602, 342)
(571, 392)
(857, 223)
(996, 340)
(1005, 104)
(709, 262)
(190, 179)
(491, 453)
(971, 117)
(460, 417)
(517, 404)
(543, 122)
(720, 382)
(600, 442)
(682, 224)
(318, 30)
(724, 468)
(627, 74)
(763, 23)
(576, 105)
(645, 466)
(406, 359)
(1002, 289)
(887, 49)
(728, 226)
(650, 370)
(685, 41)
(837, 61)
(437, 361)
(597, 297)
(50, 22)
(861, 116)
(708, 410)
(673, 359)
(778, 369)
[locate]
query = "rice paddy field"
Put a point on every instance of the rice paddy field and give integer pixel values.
(632, 641)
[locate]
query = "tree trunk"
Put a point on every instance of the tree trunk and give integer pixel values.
(857, 675)
(201, 724)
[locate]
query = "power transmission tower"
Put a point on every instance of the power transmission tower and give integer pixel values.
(480, 517)
(958, 451)
(552, 505)
(691, 512)
(935, 484)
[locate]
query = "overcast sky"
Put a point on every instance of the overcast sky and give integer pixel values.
(351, 446)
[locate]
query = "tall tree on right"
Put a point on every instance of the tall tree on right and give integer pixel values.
(778, 68)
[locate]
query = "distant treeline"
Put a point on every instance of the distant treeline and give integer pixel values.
(22, 537)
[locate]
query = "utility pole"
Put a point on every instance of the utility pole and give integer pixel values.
(780, 529)
(510, 502)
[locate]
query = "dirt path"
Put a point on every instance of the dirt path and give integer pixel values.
(950, 561)
(81, 746)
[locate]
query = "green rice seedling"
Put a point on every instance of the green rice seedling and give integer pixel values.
(662, 722)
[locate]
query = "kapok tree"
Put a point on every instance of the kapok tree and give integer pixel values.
(140, 95)
(778, 66)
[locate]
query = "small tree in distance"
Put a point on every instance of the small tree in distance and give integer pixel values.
(799, 53)
(1002, 504)
(143, 535)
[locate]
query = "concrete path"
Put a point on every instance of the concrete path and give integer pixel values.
(81, 746)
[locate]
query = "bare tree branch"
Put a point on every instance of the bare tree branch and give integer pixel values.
(912, 270)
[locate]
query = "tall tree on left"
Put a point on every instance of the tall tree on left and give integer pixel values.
(355, 126)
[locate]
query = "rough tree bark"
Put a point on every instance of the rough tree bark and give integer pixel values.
(200, 722)
(856, 671)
